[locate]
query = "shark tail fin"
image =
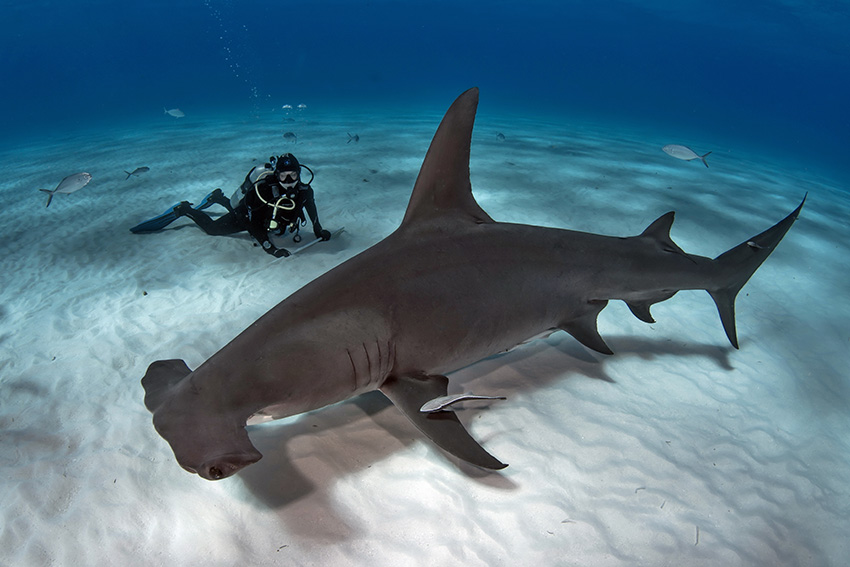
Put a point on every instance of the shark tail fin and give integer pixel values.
(739, 264)
(160, 377)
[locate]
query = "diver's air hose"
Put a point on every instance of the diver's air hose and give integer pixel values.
(285, 203)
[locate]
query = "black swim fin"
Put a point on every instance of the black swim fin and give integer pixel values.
(161, 221)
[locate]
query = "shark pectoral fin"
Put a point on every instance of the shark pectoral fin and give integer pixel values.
(159, 379)
(408, 393)
(583, 328)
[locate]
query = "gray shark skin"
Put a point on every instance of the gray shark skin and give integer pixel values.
(449, 287)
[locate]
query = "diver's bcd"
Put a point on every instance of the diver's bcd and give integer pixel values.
(253, 176)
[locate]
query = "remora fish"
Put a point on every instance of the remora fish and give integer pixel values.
(68, 185)
(449, 287)
(684, 152)
(175, 112)
(443, 402)
(137, 171)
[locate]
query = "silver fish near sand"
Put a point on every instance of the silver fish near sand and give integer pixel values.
(175, 112)
(355, 138)
(68, 185)
(137, 171)
(684, 152)
(449, 287)
(290, 137)
(443, 402)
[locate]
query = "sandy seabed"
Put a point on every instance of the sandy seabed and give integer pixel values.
(677, 450)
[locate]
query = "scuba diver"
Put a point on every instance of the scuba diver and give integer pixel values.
(271, 200)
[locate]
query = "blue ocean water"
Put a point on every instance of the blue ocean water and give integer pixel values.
(768, 75)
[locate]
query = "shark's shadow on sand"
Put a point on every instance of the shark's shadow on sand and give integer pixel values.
(300, 489)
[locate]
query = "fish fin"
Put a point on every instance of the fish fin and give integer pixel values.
(583, 328)
(160, 377)
(703, 156)
(659, 230)
(640, 309)
(128, 175)
(49, 196)
(444, 403)
(736, 266)
(409, 392)
(443, 188)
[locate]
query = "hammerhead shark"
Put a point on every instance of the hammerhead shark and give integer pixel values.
(447, 288)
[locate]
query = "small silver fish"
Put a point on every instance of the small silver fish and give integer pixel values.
(287, 107)
(68, 185)
(175, 112)
(290, 136)
(302, 106)
(137, 171)
(355, 137)
(443, 402)
(500, 136)
(684, 152)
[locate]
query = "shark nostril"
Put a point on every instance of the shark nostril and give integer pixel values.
(215, 473)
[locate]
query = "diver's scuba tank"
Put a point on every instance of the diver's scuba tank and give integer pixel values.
(253, 176)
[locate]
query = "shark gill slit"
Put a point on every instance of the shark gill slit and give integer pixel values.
(353, 369)
(380, 360)
(368, 362)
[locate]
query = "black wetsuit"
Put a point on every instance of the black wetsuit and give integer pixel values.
(267, 207)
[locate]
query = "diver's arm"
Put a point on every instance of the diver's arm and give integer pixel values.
(258, 229)
(310, 206)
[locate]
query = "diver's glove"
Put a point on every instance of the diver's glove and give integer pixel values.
(320, 232)
(274, 251)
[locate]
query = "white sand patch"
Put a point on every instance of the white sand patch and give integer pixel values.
(614, 460)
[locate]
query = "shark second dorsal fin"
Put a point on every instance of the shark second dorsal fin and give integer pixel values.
(443, 187)
(660, 231)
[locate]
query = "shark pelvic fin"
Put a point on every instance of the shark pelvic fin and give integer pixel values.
(583, 328)
(640, 309)
(443, 187)
(409, 392)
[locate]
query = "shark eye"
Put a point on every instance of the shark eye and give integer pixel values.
(216, 473)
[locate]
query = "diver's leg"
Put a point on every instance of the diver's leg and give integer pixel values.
(219, 198)
(226, 224)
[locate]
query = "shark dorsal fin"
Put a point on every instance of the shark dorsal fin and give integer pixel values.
(443, 188)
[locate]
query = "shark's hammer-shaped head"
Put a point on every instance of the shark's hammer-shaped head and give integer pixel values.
(210, 444)
(211, 448)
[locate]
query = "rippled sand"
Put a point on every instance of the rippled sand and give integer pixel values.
(677, 450)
